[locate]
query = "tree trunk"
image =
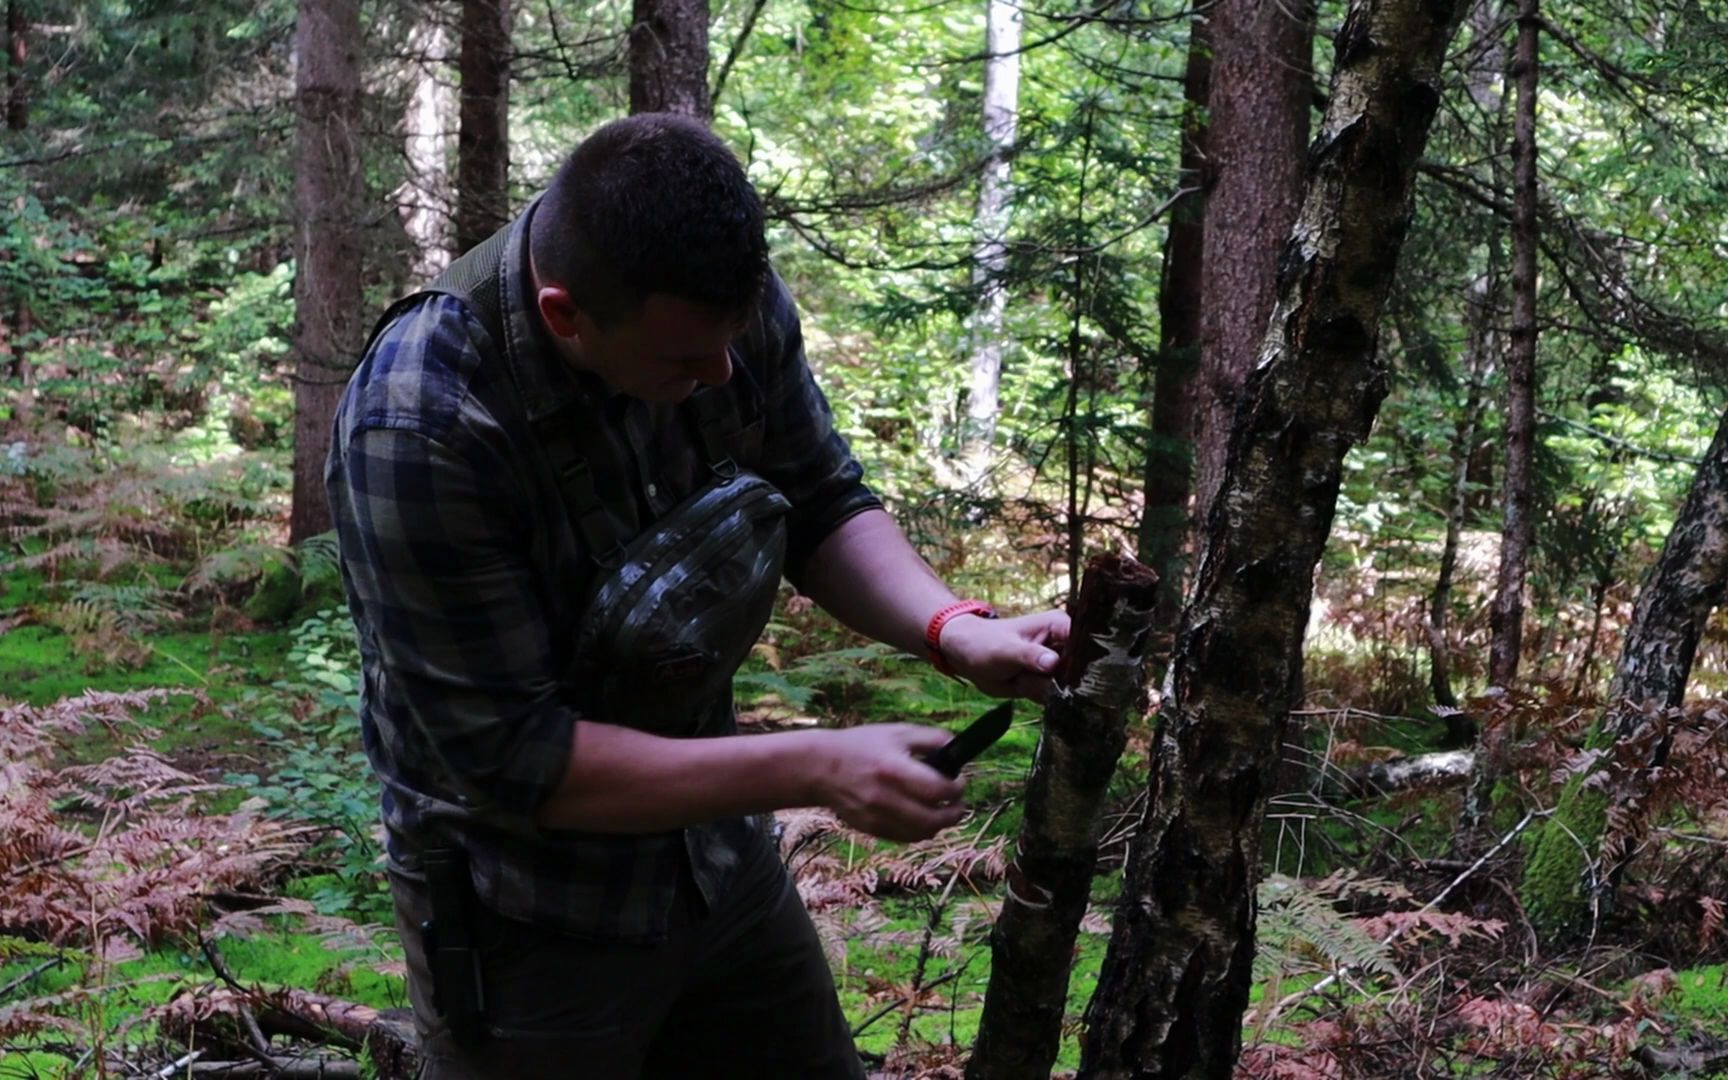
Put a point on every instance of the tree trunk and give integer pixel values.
(1688, 581)
(1001, 112)
(1677, 597)
(428, 130)
(17, 54)
(1164, 527)
(1507, 618)
(1050, 880)
(327, 191)
(1262, 88)
(1176, 978)
(23, 371)
(669, 57)
(18, 119)
(1479, 349)
(483, 142)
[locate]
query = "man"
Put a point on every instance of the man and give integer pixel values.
(556, 551)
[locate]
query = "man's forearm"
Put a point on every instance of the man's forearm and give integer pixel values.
(620, 780)
(867, 575)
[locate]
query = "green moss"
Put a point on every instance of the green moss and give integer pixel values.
(277, 597)
(1554, 890)
(1701, 995)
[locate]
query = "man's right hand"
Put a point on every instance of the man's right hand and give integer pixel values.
(873, 779)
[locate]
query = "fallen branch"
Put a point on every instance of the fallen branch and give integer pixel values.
(1446, 768)
(308, 1068)
(52, 962)
(387, 1035)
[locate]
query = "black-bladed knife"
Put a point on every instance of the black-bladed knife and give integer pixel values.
(977, 738)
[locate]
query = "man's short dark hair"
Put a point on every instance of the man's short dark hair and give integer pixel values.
(654, 203)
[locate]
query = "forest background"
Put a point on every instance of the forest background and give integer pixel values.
(1036, 248)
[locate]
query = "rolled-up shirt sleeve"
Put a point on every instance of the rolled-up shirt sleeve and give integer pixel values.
(437, 559)
(803, 455)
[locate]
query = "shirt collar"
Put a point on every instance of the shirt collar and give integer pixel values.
(546, 380)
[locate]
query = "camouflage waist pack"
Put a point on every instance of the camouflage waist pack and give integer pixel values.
(666, 630)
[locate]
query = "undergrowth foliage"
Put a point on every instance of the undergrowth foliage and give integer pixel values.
(841, 873)
(112, 854)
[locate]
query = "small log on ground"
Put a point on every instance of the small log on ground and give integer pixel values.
(279, 1068)
(1407, 772)
(214, 1017)
(1050, 879)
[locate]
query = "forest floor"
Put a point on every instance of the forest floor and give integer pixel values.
(163, 855)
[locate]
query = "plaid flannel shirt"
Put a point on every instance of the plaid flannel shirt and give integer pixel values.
(466, 584)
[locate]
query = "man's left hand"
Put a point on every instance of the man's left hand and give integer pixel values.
(1006, 657)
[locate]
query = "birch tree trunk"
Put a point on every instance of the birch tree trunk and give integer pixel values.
(1002, 27)
(669, 57)
(483, 141)
(1176, 978)
(327, 189)
(1507, 615)
(429, 129)
(1262, 88)
(1164, 527)
(1050, 879)
(1678, 596)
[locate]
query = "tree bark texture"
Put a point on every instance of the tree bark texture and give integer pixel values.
(1261, 90)
(429, 127)
(483, 140)
(1507, 616)
(1050, 879)
(1002, 26)
(669, 57)
(1164, 527)
(1685, 586)
(327, 191)
(1176, 978)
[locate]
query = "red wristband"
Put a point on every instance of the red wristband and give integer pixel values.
(933, 632)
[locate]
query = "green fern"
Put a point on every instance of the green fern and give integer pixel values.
(1301, 929)
(764, 683)
(319, 561)
(134, 608)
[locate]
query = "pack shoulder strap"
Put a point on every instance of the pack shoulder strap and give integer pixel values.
(476, 279)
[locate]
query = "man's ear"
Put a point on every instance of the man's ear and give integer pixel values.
(561, 314)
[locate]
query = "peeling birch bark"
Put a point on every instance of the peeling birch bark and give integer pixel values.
(1050, 879)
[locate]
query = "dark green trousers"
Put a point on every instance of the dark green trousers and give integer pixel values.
(743, 990)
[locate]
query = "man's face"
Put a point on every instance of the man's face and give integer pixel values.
(662, 354)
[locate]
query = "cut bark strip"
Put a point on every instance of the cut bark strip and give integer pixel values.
(1050, 879)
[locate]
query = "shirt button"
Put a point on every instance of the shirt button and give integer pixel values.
(653, 491)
